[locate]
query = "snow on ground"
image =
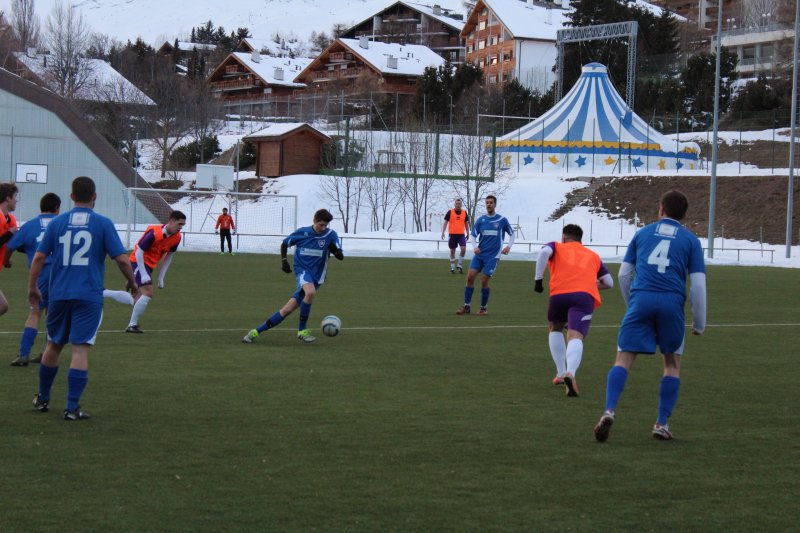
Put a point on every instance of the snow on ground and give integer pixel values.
(529, 200)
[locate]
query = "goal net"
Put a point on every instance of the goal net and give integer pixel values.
(262, 220)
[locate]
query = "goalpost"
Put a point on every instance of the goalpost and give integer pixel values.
(262, 220)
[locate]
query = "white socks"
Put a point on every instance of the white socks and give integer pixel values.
(122, 297)
(558, 349)
(574, 355)
(138, 309)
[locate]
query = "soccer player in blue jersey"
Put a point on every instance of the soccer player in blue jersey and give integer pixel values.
(314, 244)
(489, 231)
(653, 282)
(77, 243)
(27, 240)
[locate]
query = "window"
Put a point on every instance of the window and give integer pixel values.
(493, 60)
(506, 56)
(481, 63)
(481, 45)
(482, 25)
(492, 79)
(469, 48)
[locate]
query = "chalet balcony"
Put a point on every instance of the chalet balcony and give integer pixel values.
(339, 57)
(336, 74)
(236, 85)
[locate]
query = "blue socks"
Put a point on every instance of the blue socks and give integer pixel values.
(468, 295)
(76, 382)
(271, 322)
(26, 343)
(484, 296)
(47, 374)
(615, 385)
(305, 310)
(667, 398)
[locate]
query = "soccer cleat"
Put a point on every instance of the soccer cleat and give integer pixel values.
(251, 335)
(37, 360)
(133, 329)
(463, 310)
(304, 336)
(482, 311)
(571, 385)
(460, 270)
(231, 253)
(603, 427)
(558, 380)
(662, 432)
(20, 361)
(41, 405)
(452, 271)
(77, 414)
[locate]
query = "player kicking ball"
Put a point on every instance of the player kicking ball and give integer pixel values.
(314, 244)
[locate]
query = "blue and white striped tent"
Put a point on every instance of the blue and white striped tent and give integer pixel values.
(592, 130)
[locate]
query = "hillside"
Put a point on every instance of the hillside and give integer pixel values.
(748, 207)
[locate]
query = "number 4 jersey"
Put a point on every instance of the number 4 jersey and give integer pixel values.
(664, 254)
(78, 242)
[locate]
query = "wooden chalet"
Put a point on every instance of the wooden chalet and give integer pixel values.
(390, 67)
(288, 148)
(402, 22)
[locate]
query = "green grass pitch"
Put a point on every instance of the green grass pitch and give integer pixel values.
(413, 419)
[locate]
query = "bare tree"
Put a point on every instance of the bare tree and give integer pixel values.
(471, 158)
(67, 39)
(758, 13)
(419, 190)
(204, 112)
(7, 42)
(121, 112)
(344, 192)
(25, 23)
(169, 120)
(382, 197)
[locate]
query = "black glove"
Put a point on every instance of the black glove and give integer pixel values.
(338, 254)
(539, 286)
(285, 265)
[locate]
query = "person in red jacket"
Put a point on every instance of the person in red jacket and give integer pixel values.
(8, 227)
(225, 225)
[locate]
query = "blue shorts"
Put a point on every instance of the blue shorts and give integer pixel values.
(653, 319)
(303, 278)
(74, 321)
(487, 265)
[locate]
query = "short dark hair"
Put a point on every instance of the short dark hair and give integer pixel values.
(83, 189)
(492, 197)
(224, 209)
(7, 190)
(177, 215)
(50, 203)
(574, 231)
(323, 215)
(675, 204)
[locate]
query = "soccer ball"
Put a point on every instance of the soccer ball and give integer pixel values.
(331, 325)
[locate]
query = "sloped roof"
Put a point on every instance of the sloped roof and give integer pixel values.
(282, 129)
(412, 59)
(104, 84)
(265, 67)
(270, 47)
(456, 24)
(523, 20)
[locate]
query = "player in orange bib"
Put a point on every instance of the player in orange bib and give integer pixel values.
(576, 276)
(456, 221)
(8, 227)
(224, 226)
(158, 242)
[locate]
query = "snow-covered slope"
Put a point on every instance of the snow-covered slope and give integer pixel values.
(159, 20)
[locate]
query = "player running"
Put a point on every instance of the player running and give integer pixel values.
(576, 276)
(27, 240)
(489, 231)
(158, 242)
(314, 244)
(653, 282)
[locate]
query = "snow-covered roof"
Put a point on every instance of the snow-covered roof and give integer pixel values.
(282, 128)
(412, 59)
(529, 21)
(103, 84)
(266, 67)
(456, 24)
(186, 45)
(274, 48)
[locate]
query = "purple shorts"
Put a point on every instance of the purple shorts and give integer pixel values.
(574, 308)
(137, 274)
(456, 240)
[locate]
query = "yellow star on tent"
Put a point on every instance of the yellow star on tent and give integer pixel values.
(553, 159)
(662, 165)
(609, 160)
(691, 166)
(507, 160)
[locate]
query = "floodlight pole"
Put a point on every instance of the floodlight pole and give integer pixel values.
(712, 197)
(790, 200)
